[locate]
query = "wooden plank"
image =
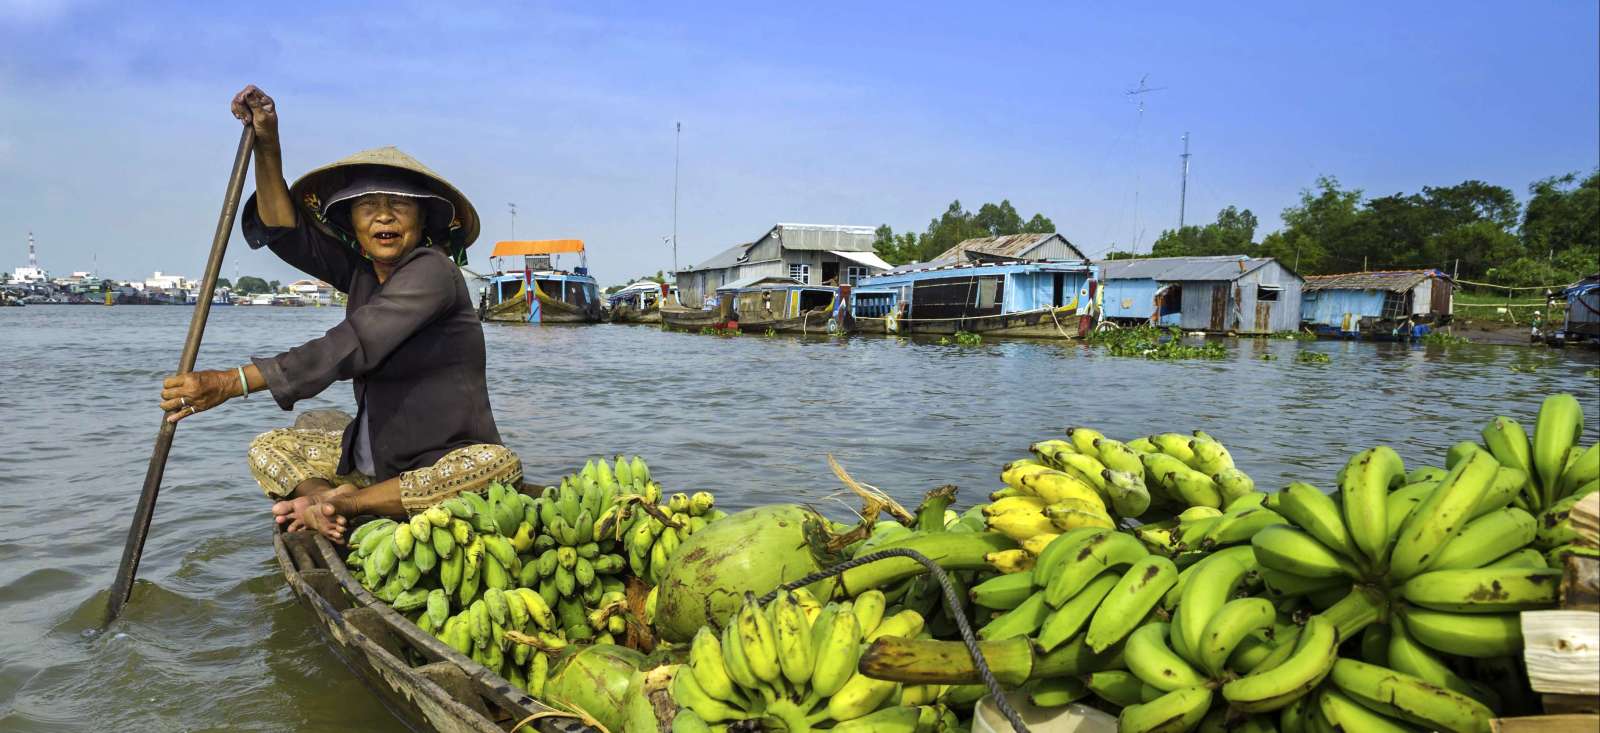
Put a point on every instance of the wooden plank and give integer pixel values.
(1563, 704)
(1562, 651)
(1580, 584)
(1585, 519)
(1547, 724)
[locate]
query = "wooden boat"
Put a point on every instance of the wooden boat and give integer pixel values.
(674, 316)
(424, 682)
(539, 293)
(783, 305)
(639, 302)
(1022, 299)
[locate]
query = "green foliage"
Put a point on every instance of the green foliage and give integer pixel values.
(718, 331)
(953, 227)
(223, 282)
(1442, 338)
(250, 285)
(967, 338)
(1154, 343)
(273, 286)
(1312, 357)
(1233, 233)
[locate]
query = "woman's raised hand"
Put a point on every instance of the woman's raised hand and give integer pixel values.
(183, 395)
(253, 107)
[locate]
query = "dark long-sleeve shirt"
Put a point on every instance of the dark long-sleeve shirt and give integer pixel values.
(412, 347)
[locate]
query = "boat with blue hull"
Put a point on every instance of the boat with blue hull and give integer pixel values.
(539, 292)
(1036, 299)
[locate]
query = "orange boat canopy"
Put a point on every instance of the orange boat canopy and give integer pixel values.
(536, 247)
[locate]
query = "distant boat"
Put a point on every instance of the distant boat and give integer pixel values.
(639, 302)
(539, 293)
(1040, 299)
(783, 305)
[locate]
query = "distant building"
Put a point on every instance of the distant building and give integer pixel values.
(1011, 248)
(1231, 293)
(810, 254)
(313, 292)
(1356, 302)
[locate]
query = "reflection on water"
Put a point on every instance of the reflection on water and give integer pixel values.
(749, 418)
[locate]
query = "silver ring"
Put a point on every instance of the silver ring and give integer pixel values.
(183, 401)
(192, 410)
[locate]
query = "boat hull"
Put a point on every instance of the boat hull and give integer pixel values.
(689, 319)
(630, 314)
(551, 310)
(811, 323)
(447, 692)
(1033, 324)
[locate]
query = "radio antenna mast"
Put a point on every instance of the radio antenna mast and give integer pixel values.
(1136, 95)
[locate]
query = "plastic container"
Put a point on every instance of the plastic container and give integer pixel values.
(1074, 718)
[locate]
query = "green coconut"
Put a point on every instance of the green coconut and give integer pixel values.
(594, 678)
(754, 551)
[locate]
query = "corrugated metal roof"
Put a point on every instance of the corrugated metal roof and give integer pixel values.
(825, 237)
(1169, 269)
(1009, 246)
(726, 258)
(752, 280)
(1396, 281)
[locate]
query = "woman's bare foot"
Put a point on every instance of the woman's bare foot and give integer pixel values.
(289, 510)
(323, 514)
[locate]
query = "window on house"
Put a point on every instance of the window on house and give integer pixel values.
(799, 272)
(1267, 292)
(852, 274)
(986, 291)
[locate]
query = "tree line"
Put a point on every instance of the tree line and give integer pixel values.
(1475, 230)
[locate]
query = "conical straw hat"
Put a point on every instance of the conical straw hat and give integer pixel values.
(315, 187)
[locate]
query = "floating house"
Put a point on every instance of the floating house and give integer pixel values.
(1035, 299)
(783, 305)
(1383, 304)
(810, 254)
(1583, 310)
(1225, 294)
(1011, 248)
(639, 302)
(540, 293)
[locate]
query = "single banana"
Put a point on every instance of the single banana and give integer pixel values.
(1156, 664)
(868, 608)
(1195, 488)
(1224, 631)
(1233, 484)
(859, 696)
(1054, 487)
(686, 691)
(1559, 423)
(734, 661)
(705, 663)
(793, 634)
(1526, 557)
(1065, 517)
(1508, 442)
(1026, 504)
(1019, 526)
(905, 624)
(837, 655)
(759, 644)
(1063, 547)
(1083, 439)
(1408, 698)
(1478, 635)
(1139, 590)
(1312, 658)
(1116, 686)
(1210, 457)
(1363, 491)
(1345, 714)
(1065, 622)
(1441, 516)
(1208, 588)
(1580, 471)
(1098, 554)
(1178, 710)
(1404, 654)
(1011, 561)
(1492, 590)
(1493, 535)
(1290, 550)
(1003, 592)
(1241, 523)
(1316, 513)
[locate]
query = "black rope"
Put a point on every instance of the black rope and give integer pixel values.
(951, 603)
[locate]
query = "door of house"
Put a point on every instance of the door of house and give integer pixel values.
(1219, 307)
(830, 273)
(1058, 289)
(1263, 316)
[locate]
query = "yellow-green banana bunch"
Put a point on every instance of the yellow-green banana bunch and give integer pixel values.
(651, 538)
(1369, 697)
(1089, 459)
(793, 666)
(574, 561)
(1559, 471)
(463, 545)
(1192, 471)
(1037, 505)
(512, 632)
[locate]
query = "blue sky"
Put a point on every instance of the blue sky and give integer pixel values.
(115, 137)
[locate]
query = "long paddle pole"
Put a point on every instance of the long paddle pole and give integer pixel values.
(123, 586)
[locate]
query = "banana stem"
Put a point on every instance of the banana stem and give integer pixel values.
(788, 716)
(951, 550)
(1363, 607)
(930, 515)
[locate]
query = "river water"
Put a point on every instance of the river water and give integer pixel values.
(213, 640)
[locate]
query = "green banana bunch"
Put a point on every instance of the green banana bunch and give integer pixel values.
(792, 664)
(651, 537)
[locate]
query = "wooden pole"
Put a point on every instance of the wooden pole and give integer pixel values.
(122, 587)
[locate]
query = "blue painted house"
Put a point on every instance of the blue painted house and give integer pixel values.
(1224, 294)
(1583, 310)
(1383, 305)
(1050, 299)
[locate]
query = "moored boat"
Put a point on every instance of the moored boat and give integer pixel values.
(784, 305)
(1040, 299)
(540, 293)
(423, 681)
(639, 302)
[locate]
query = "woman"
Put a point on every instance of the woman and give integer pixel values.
(388, 232)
